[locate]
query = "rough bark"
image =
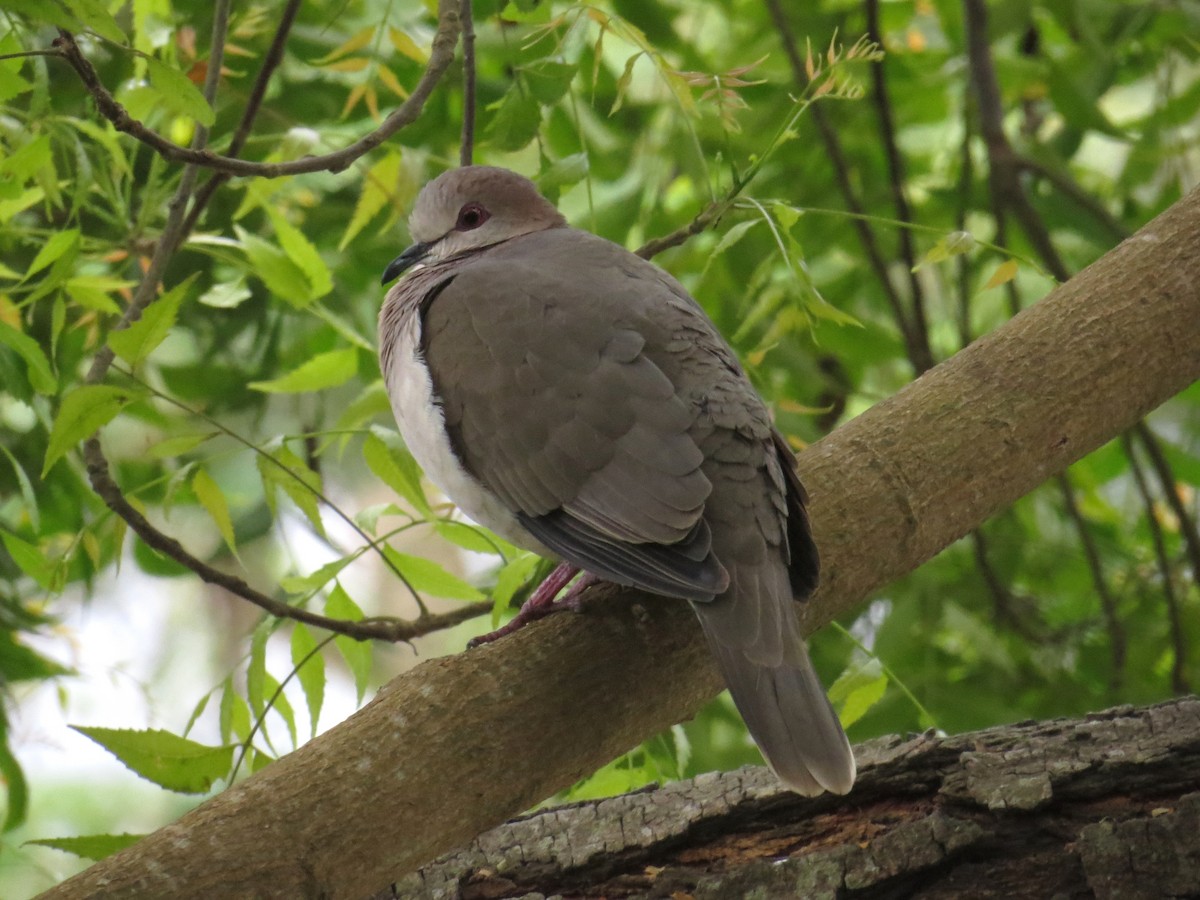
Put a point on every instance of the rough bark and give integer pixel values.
(458, 745)
(1106, 806)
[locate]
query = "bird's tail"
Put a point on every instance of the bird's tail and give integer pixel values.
(781, 699)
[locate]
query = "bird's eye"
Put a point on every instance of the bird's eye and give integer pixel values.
(471, 216)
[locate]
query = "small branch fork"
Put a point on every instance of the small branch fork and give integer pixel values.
(182, 218)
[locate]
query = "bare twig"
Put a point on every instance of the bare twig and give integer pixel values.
(467, 149)
(253, 104)
(841, 169)
(1179, 682)
(440, 57)
(1166, 477)
(1108, 603)
(1004, 171)
(921, 354)
(1002, 598)
(1071, 189)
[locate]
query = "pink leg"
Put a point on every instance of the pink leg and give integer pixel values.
(541, 602)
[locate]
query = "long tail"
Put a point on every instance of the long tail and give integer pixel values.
(778, 693)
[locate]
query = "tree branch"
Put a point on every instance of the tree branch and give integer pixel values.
(458, 744)
(466, 149)
(440, 57)
(921, 354)
(270, 63)
(1179, 681)
(841, 170)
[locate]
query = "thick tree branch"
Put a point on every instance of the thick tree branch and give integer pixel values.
(1102, 806)
(460, 744)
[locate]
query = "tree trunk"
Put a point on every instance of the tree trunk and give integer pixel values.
(1106, 807)
(460, 744)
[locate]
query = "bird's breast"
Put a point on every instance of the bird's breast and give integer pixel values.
(418, 413)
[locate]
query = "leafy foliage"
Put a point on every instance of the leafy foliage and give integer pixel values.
(849, 238)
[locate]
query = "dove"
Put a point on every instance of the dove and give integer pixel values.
(576, 400)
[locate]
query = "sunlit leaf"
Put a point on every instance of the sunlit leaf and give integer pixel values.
(134, 344)
(310, 669)
(323, 371)
(428, 577)
(173, 762)
(91, 846)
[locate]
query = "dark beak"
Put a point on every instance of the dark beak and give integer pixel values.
(404, 261)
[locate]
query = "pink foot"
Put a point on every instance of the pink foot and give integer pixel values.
(541, 602)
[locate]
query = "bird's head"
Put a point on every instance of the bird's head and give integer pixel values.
(471, 208)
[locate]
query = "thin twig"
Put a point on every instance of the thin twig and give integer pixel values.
(1166, 477)
(253, 104)
(1108, 603)
(1179, 681)
(1004, 173)
(841, 169)
(440, 57)
(466, 150)
(922, 353)
(1071, 189)
(1003, 601)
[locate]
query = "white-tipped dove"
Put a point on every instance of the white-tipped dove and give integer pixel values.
(576, 400)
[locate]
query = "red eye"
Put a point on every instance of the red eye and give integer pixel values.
(471, 216)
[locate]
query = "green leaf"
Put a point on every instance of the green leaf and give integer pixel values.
(357, 654)
(30, 560)
(256, 669)
(92, 846)
(624, 81)
(179, 445)
(857, 690)
(378, 186)
(60, 243)
(20, 663)
(271, 265)
(549, 80)
(298, 481)
(134, 344)
(226, 294)
(212, 498)
(177, 93)
(428, 577)
(392, 464)
(15, 783)
(28, 497)
(302, 252)
(234, 715)
(176, 763)
(515, 120)
(511, 578)
(93, 14)
(469, 537)
(82, 412)
(309, 584)
(323, 371)
(41, 376)
(281, 705)
(310, 669)
(531, 12)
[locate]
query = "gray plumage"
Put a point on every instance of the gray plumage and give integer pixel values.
(575, 399)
